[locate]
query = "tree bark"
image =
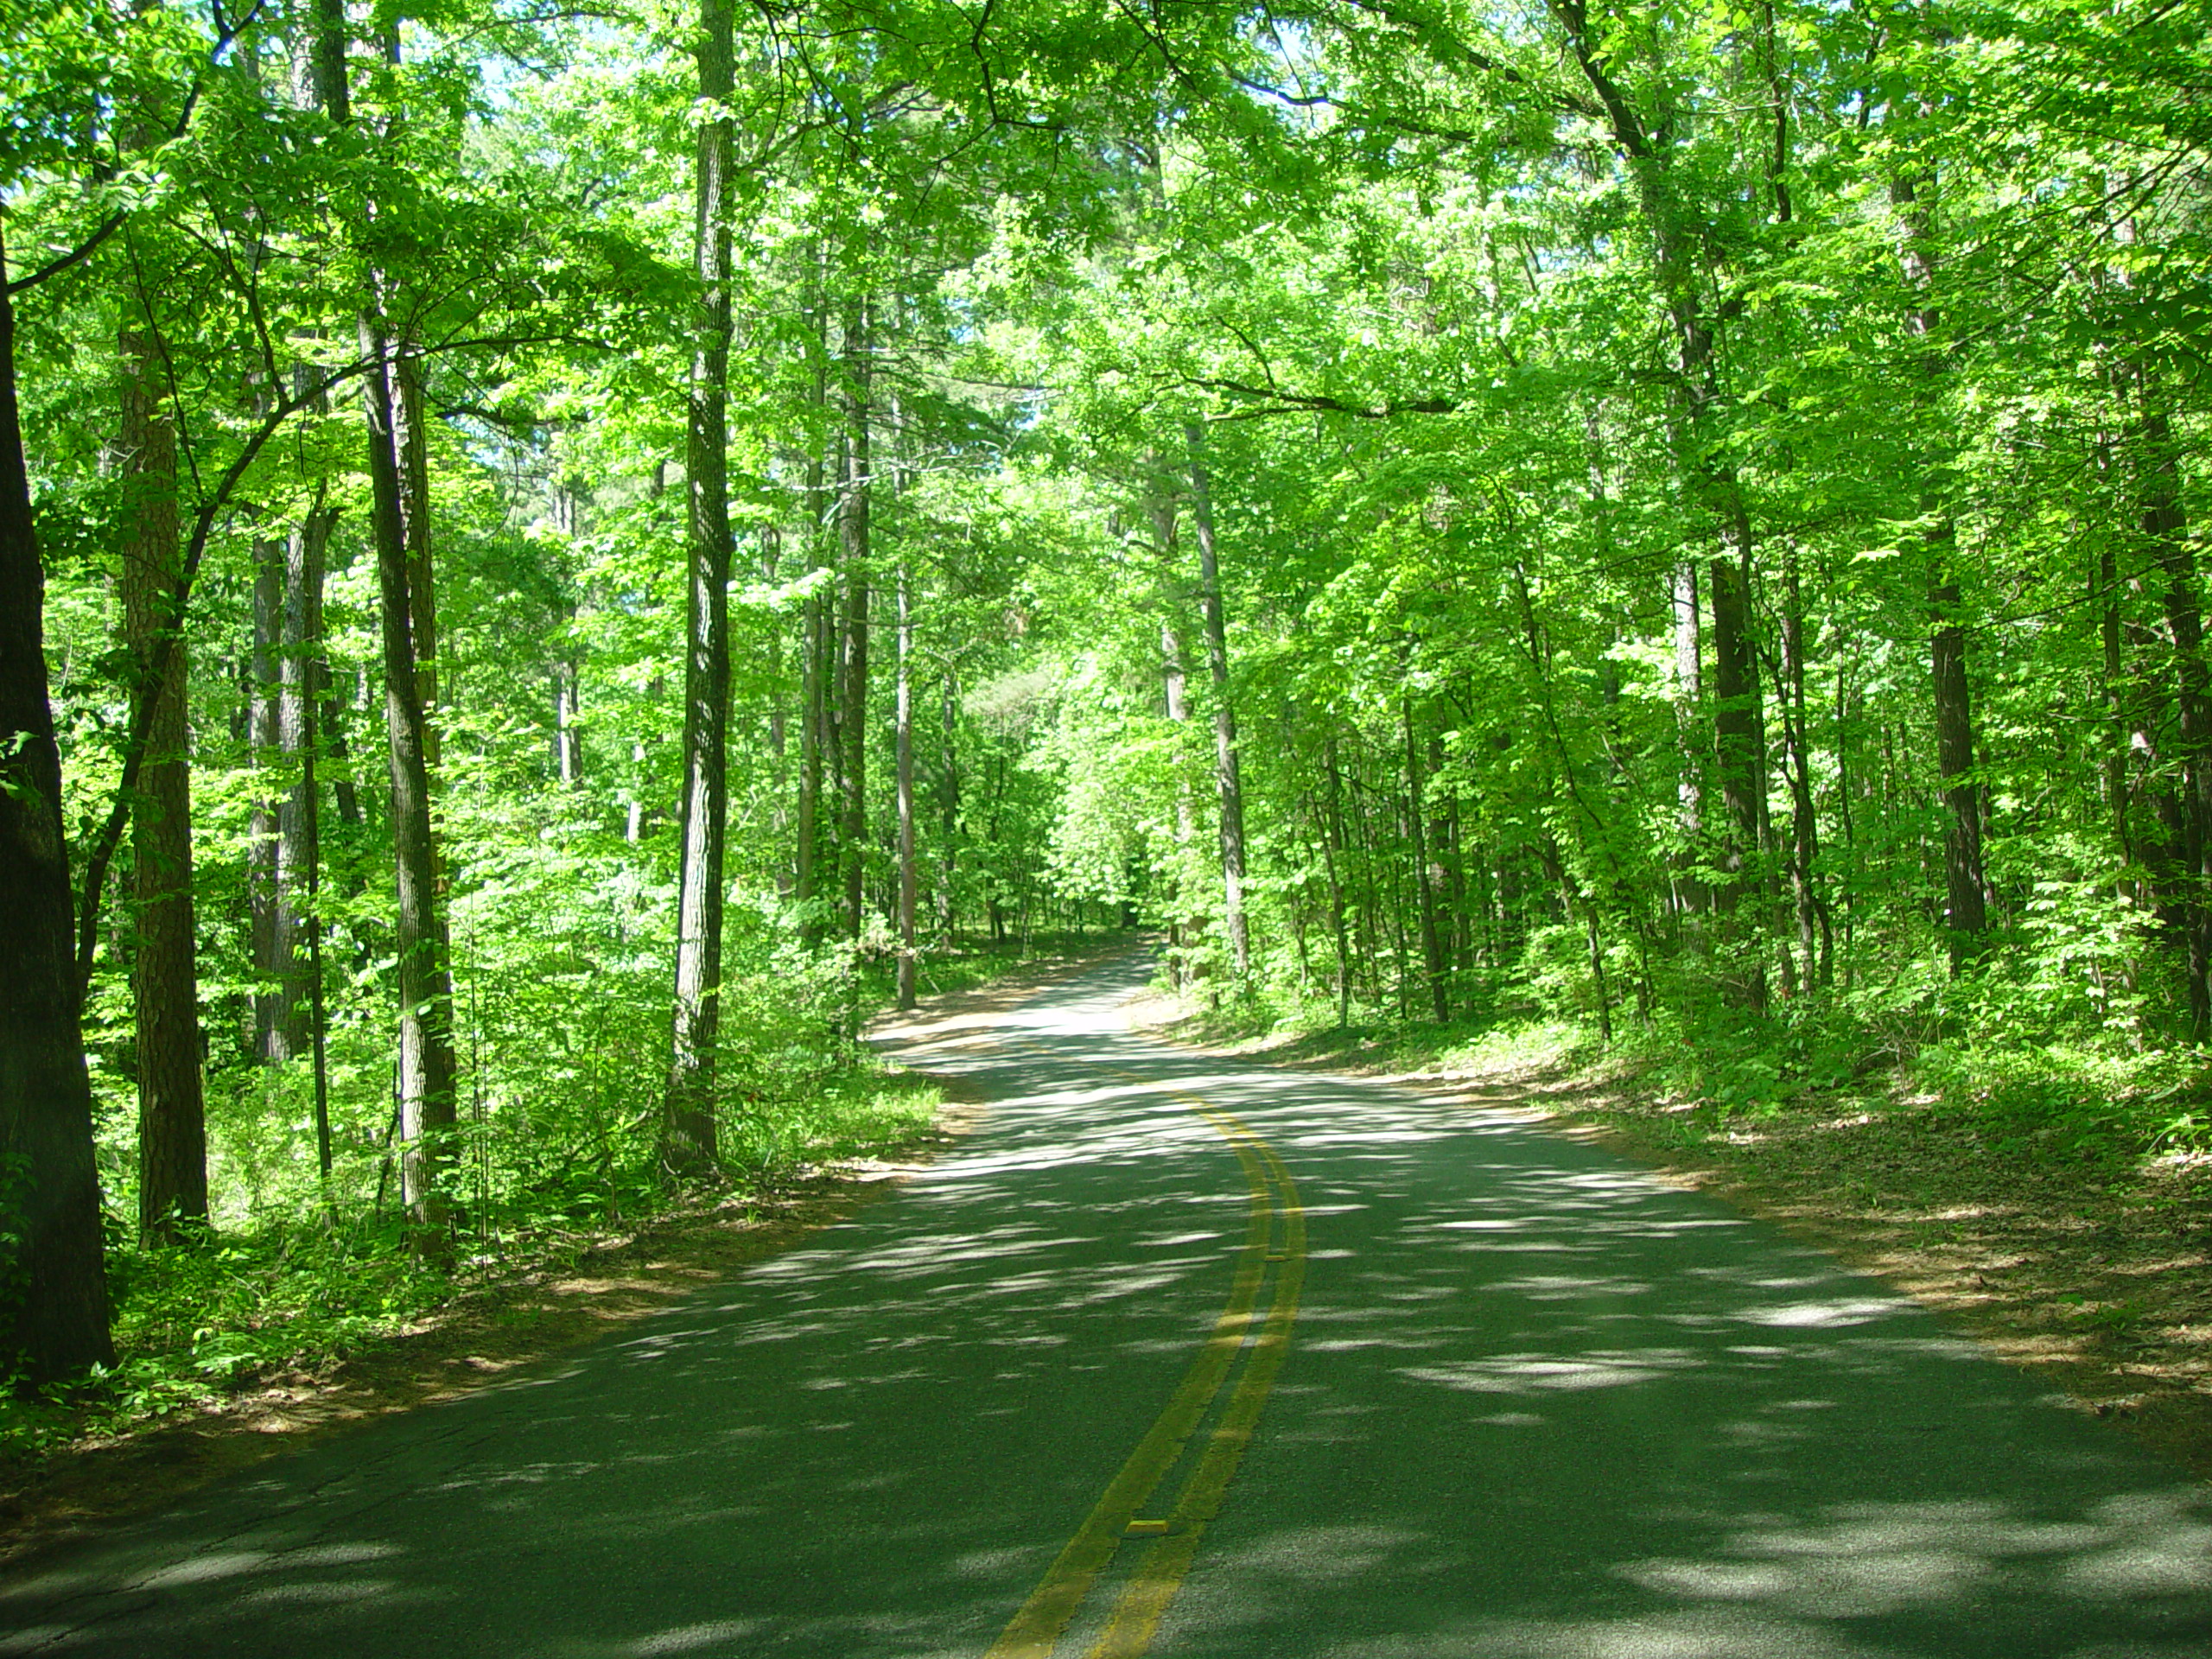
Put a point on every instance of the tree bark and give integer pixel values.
(807, 825)
(1432, 944)
(268, 1042)
(1229, 781)
(298, 851)
(300, 824)
(909, 872)
(1332, 840)
(1966, 915)
(2165, 529)
(427, 1067)
(1965, 912)
(165, 987)
(332, 95)
(1804, 823)
(55, 1312)
(688, 1139)
(948, 812)
(1709, 479)
(411, 444)
(853, 557)
(1689, 691)
(1174, 686)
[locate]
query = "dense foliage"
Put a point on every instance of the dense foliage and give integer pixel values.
(1677, 525)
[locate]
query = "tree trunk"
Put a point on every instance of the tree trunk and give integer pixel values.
(909, 872)
(1228, 778)
(806, 829)
(327, 74)
(1709, 479)
(299, 642)
(1689, 692)
(949, 813)
(165, 988)
(2104, 595)
(54, 1311)
(1735, 710)
(1174, 686)
(1965, 913)
(1432, 943)
(427, 1064)
(568, 731)
(1804, 823)
(411, 444)
(268, 759)
(428, 1068)
(2165, 529)
(1332, 841)
(1450, 867)
(300, 824)
(853, 550)
(688, 1146)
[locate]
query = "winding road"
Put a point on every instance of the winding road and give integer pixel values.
(1178, 1355)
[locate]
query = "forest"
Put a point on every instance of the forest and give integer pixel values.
(553, 558)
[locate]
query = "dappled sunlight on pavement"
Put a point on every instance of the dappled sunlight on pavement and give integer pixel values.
(1534, 1404)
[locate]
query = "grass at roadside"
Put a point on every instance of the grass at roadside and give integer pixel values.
(2060, 1214)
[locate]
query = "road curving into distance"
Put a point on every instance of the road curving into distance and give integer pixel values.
(1178, 1355)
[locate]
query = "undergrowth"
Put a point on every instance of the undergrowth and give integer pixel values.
(300, 1276)
(2029, 1075)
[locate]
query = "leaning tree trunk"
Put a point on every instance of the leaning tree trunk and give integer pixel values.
(164, 980)
(53, 1313)
(1228, 778)
(687, 1120)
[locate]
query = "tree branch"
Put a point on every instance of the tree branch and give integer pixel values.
(1294, 403)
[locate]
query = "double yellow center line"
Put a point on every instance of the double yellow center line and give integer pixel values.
(1271, 1265)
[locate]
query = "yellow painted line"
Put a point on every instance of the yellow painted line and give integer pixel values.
(1160, 1573)
(1037, 1628)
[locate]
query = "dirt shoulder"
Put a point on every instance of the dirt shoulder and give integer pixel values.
(2096, 1279)
(493, 1328)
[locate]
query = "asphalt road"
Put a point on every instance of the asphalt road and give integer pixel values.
(1180, 1356)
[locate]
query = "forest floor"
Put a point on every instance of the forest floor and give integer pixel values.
(2092, 1267)
(570, 1293)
